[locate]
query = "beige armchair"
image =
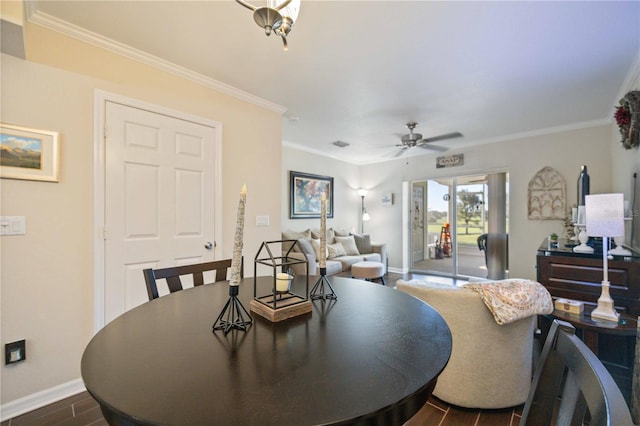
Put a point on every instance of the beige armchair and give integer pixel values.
(491, 364)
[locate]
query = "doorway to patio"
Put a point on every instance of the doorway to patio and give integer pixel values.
(459, 226)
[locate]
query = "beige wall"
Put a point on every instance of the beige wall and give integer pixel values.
(346, 181)
(522, 158)
(624, 163)
(46, 277)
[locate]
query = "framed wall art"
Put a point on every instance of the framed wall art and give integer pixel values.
(29, 154)
(305, 194)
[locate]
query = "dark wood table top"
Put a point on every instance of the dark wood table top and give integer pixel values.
(371, 357)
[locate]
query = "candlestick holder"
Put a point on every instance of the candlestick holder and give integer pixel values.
(319, 291)
(233, 315)
(282, 302)
(583, 238)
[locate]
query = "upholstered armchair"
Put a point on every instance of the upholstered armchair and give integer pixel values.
(491, 364)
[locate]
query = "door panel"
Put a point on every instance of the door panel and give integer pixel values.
(159, 199)
(471, 209)
(473, 206)
(141, 189)
(189, 187)
(418, 222)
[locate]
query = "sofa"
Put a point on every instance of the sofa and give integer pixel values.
(491, 364)
(343, 250)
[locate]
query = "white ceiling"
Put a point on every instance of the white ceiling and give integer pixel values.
(357, 71)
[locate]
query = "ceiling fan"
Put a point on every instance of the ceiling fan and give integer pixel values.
(415, 139)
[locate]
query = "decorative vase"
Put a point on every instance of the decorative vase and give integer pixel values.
(583, 185)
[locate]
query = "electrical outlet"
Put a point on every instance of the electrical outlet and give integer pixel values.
(15, 352)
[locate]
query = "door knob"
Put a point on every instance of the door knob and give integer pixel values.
(208, 245)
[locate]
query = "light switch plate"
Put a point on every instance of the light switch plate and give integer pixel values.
(262, 220)
(12, 225)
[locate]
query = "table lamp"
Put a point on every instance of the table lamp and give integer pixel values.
(605, 218)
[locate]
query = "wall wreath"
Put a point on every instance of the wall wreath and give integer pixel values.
(628, 118)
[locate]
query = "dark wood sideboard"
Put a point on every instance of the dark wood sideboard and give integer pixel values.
(578, 276)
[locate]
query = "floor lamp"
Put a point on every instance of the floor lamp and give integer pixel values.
(365, 216)
(605, 218)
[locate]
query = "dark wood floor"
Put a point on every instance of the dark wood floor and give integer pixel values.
(83, 410)
(77, 410)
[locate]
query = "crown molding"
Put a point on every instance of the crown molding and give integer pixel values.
(45, 20)
(547, 131)
(631, 82)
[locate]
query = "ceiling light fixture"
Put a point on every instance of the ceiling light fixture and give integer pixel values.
(278, 16)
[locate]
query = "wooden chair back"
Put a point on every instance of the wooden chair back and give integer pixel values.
(571, 386)
(172, 275)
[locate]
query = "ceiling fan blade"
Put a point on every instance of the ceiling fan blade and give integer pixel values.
(443, 137)
(433, 147)
(399, 153)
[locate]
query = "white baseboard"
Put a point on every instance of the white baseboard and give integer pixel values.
(40, 399)
(398, 270)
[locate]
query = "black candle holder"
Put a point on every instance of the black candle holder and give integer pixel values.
(233, 315)
(319, 291)
(280, 305)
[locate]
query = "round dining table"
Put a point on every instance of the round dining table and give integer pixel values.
(372, 356)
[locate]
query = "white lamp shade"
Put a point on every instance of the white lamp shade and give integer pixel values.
(365, 216)
(605, 215)
(362, 192)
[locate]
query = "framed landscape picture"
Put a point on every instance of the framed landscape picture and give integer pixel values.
(306, 194)
(29, 154)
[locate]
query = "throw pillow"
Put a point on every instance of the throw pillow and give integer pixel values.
(316, 249)
(363, 242)
(349, 245)
(294, 235)
(341, 233)
(330, 235)
(336, 250)
(304, 245)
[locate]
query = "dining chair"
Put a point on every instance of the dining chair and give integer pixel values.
(172, 275)
(570, 374)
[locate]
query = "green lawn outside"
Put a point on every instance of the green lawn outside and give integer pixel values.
(471, 239)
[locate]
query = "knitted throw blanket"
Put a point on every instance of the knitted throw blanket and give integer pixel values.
(513, 299)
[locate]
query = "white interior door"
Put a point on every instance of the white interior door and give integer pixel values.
(159, 199)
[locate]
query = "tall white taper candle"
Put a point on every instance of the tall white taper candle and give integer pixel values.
(236, 261)
(323, 231)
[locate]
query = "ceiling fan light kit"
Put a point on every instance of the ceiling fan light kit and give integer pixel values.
(278, 16)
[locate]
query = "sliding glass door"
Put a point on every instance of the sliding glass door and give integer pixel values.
(452, 222)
